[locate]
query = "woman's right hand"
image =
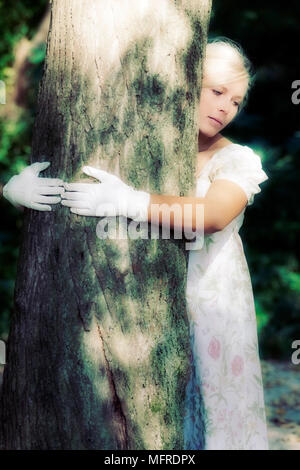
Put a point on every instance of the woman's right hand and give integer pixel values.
(29, 190)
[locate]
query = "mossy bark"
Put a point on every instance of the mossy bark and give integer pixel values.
(98, 352)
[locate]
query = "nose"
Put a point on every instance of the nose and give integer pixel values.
(224, 106)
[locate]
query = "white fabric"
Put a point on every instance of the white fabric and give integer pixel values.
(29, 190)
(241, 167)
(225, 388)
(110, 197)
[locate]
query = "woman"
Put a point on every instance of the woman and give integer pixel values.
(224, 399)
(225, 390)
(219, 291)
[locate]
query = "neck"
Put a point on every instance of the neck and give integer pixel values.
(205, 142)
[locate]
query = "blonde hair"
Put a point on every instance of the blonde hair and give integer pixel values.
(225, 61)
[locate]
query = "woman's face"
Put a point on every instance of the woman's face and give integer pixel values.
(219, 105)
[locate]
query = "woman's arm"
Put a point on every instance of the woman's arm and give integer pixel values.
(112, 197)
(223, 202)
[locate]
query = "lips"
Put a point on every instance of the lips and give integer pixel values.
(217, 120)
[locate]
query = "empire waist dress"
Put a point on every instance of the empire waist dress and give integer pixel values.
(224, 397)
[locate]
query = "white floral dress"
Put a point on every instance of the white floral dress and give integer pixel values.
(225, 391)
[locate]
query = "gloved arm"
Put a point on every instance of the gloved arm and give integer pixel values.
(29, 190)
(110, 197)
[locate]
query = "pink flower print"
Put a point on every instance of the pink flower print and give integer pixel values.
(221, 415)
(214, 348)
(237, 365)
(240, 419)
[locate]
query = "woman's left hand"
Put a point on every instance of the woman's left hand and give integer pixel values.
(109, 197)
(28, 189)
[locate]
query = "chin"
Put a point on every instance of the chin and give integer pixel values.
(209, 132)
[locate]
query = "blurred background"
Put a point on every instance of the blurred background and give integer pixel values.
(268, 31)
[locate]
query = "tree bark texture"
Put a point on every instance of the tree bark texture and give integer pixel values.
(98, 351)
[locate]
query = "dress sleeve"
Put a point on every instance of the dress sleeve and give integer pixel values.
(243, 167)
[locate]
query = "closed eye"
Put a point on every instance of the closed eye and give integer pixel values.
(217, 92)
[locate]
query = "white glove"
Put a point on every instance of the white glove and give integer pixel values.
(29, 190)
(111, 197)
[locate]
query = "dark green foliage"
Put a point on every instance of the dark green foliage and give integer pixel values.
(16, 22)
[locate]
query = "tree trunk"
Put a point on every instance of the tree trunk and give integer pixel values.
(98, 353)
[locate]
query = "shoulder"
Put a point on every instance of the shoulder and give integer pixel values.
(241, 165)
(240, 161)
(237, 155)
